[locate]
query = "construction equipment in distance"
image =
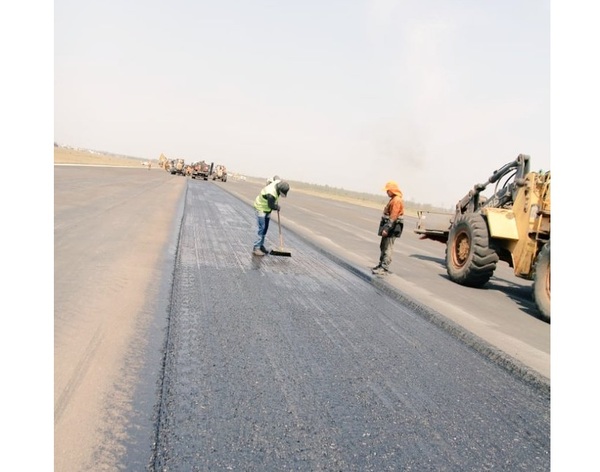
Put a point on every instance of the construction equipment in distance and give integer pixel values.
(512, 225)
(202, 170)
(220, 173)
(178, 167)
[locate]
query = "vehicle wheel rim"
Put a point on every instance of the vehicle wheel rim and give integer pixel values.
(462, 245)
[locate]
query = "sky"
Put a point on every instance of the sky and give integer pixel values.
(434, 94)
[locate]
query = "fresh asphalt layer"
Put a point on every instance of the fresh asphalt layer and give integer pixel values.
(500, 320)
(308, 363)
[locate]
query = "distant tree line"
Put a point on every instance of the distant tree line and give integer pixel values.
(365, 196)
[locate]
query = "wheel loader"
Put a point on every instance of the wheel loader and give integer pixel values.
(511, 225)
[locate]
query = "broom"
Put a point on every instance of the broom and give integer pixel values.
(280, 251)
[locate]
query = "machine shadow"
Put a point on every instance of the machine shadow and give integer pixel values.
(520, 294)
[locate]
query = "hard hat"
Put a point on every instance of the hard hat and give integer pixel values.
(283, 188)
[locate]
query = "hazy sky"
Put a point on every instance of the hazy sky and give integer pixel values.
(435, 94)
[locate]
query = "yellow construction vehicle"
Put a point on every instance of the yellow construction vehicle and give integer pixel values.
(511, 225)
(162, 160)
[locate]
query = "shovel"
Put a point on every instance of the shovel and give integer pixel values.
(280, 251)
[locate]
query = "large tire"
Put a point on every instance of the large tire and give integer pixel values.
(469, 259)
(541, 282)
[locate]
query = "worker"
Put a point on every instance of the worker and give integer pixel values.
(266, 202)
(390, 227)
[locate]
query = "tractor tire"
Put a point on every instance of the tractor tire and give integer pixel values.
(541, 282)
(469, 259)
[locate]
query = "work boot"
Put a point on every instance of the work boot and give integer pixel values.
(264, 249)
(258, 252)
(380, 271)
(378, 266)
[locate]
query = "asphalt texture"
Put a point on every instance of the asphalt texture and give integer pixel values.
(500, 318)
(298, 363)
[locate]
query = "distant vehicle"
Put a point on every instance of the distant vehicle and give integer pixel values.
(220, 173)
(162, 161)
(178, 167)
(202, 170)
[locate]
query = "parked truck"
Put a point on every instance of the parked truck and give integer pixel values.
(202, 170)
(169, 165)
(220, 173)
(178, 167)
(511, 225)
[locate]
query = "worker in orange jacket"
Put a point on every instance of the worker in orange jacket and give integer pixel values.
(390, 227)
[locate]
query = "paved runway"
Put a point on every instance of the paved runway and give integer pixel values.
(298, 363)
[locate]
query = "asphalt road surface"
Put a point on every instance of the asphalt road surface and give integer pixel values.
(176, 349)
(502, 316)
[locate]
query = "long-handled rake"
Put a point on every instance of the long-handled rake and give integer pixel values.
(280, 251)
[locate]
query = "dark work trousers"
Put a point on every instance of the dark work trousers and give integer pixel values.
(386, 248)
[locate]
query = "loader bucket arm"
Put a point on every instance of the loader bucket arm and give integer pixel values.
(521, 163)
(471, 201)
